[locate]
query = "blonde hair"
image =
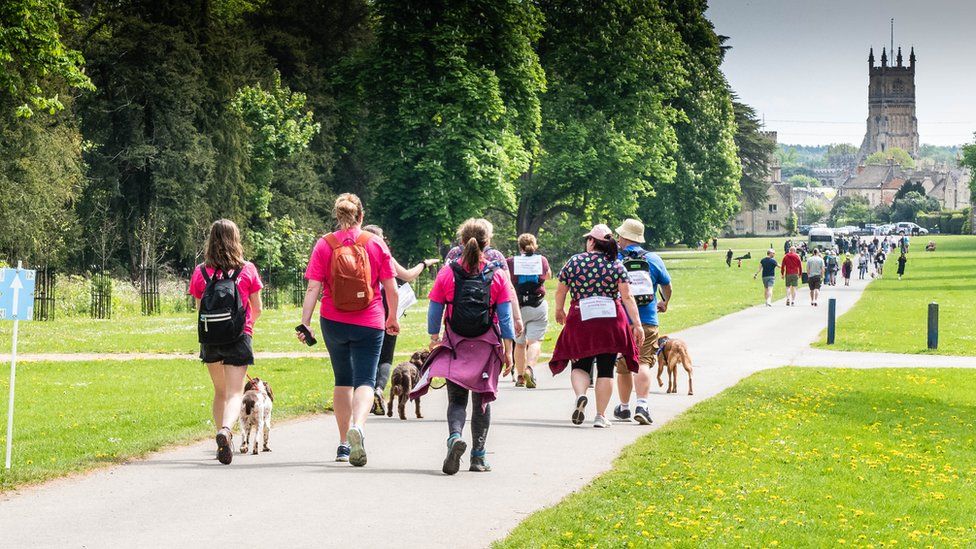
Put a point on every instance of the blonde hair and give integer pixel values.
(527, 243)
(223, 249)
(348, 210)
(475, 234)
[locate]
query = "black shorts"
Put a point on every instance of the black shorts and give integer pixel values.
(604, 365)
(238, 353)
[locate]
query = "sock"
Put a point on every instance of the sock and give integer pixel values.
(642, 403)
(624, 406)
(452, 438)
(478, 453)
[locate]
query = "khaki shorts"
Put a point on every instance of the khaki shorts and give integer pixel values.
(647, 354)
(793, 280)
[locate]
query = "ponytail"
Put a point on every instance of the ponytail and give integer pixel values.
(607, 247)
(471, 257)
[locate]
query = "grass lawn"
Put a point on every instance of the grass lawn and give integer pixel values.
(78, 415)
(790, 457)
(705, 289)
(891, 316)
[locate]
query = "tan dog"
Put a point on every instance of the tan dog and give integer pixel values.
(404, 377)
(673, 351)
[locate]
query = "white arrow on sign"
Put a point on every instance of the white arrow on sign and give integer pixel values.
(16, 286)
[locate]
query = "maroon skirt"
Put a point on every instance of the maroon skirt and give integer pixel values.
(598, 336)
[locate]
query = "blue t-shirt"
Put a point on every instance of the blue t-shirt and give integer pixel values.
(659, 277)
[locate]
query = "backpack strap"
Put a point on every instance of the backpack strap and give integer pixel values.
(363, 238)
(203, 271)
(332, 240)
(236, 274)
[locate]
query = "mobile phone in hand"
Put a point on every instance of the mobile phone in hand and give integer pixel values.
(309, 340)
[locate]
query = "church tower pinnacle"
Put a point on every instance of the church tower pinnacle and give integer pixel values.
(891, 118)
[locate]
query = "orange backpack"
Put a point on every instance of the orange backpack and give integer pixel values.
(351, 286)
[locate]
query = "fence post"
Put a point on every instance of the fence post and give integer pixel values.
(933, 325)
(831, 320)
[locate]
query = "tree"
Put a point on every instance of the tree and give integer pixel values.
(278, 127)
(453, 95)
(899, 156)
(911, 204)
(787, 156)
(791, 224)
(969, 161)
(35, 64)
(839, 152)
(755, 151)
(850, 210)
(909, 187)
(800, 180)
(812, 211)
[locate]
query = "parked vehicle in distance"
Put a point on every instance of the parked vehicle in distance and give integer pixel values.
(883, 230)
(908, 228)
(805, 229)
(821, 237)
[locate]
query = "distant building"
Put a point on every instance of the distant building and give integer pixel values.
(879, 183)
(891, 107)
(769, 218)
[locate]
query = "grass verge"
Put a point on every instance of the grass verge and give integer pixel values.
(73, 416)
(892, 314)
(797, 457)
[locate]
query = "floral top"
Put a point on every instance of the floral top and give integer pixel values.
(591, 274)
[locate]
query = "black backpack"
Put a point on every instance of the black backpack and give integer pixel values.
(471, 310)
(222, 315)
(635, 261)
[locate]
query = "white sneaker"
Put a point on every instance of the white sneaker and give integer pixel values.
(601, 422)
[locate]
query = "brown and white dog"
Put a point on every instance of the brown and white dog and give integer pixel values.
(404, 377)
(671, 352)
(256, 414)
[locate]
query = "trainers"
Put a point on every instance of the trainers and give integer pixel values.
(342, 453)
(520, 382)
(378, 408)
(642, 417)
(357, 446)
(225, 443)
(578, 415)
(622, 414)
(601, 422)
(455, 449)
(479, 465)
(529, 378)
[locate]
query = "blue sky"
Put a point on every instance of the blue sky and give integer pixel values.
(803, 64)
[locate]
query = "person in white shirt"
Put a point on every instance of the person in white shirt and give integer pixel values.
(815, 271)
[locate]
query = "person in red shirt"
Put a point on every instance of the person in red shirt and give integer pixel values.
(791, 269)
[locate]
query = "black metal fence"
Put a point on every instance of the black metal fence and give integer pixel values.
(45, 292)
(101, 294)
(282, 285)
(149, 290)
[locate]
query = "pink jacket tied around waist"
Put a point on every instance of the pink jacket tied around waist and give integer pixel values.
(474, 363)
(582, 339)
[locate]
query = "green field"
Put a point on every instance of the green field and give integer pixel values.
(790, 457)
(891, 316)
(79, 415)
(705, 289)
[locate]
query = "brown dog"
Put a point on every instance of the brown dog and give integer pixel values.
(673, 351)
(404, 377)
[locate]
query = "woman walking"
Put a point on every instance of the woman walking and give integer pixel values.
(862, 265)
(846, 269)
(225, 342)
(347, 268)
(596, 328)
(389, 341)
(902, 260)
(472, 300)
(529, 274)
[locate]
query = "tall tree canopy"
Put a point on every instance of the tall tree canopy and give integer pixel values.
(755, 152)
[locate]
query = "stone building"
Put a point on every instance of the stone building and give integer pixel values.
(769, 218)
(891, 106)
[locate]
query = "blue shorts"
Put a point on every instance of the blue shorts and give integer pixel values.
(355, 352)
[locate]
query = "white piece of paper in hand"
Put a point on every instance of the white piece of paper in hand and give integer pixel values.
(597, 307)
(528, 265)
(640, 283)
(407, 299)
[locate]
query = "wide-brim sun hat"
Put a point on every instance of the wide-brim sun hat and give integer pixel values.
(632, 230)
(599, 232)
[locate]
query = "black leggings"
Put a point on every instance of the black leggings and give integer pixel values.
(457, 405)
(605, 364)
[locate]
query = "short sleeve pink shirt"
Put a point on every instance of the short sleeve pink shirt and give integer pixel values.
(443, 289)
(381, 268)
(249, 282)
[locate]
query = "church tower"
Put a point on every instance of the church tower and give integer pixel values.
(891, 106)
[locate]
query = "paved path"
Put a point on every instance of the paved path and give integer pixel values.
(297, 496)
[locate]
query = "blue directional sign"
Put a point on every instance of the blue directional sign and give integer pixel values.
(16, 294)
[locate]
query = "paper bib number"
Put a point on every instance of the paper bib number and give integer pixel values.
(597, 307)
(406, 298)
(528, 265)
(640, 283)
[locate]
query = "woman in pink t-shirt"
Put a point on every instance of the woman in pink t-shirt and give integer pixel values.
(353, 336)
(227, 364)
